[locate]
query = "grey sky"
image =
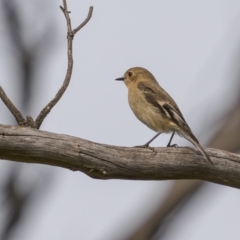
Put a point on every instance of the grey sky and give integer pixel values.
(190, 47)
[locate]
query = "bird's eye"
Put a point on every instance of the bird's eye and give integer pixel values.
(130, 74)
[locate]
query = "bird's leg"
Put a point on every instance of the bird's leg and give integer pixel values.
(169, 143)
(146, 145)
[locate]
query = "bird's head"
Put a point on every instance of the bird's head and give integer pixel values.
(136, 74)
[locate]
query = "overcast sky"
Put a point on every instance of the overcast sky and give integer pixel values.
(191, 47)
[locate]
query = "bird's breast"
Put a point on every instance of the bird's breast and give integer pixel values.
(147, 113)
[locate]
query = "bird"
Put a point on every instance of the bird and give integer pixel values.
(154, 107)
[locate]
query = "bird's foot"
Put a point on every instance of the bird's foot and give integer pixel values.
(173, 145)
(145, 146)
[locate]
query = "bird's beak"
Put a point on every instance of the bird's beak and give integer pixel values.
(120, 79)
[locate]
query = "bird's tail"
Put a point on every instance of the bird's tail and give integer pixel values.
(191, 138)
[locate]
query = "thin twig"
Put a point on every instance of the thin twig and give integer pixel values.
(15, 112)
(84, 22)
(66, 82)
(66, 14)
(30, 122)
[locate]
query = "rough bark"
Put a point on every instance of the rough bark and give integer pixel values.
(101, 161)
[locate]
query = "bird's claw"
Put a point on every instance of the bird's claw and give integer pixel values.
(173, 145)
(145, 146)
(142, 146)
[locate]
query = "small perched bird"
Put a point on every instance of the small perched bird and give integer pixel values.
(153, 106)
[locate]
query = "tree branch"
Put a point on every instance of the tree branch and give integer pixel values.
(84, 22)
(158, 218)
(155, 226)
(46, 110)
(29, 122)
(15, 112)
(111, 162)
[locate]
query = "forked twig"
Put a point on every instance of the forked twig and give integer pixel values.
(29, 122)
(65, 84)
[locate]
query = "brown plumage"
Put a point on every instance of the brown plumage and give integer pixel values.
(153, 106)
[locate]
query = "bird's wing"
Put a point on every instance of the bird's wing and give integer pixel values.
(175, 115)
(159, 98)
(177, 118)
(159, 94)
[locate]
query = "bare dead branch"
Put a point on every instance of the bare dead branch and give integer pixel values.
(66, 14)
(85, 21)
(111, 162)
(15, 112)
(174, 198)
(66, 82)
(15, 199)
(29, 121)
(227, 138)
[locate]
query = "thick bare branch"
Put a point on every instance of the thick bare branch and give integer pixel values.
(66, 82)
(111, 162)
